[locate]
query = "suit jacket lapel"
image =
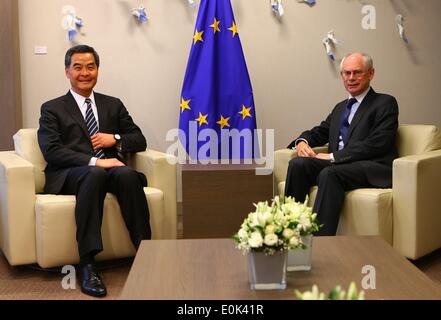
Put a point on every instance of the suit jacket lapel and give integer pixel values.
(102, 114)
(72, 108)
(361, 111)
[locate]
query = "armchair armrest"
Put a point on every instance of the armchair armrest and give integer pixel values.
(160, 170)
(17, 214)
(281, 162)
(416, 213)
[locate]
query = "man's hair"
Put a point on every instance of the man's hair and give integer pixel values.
(368, 62)
(80, 49)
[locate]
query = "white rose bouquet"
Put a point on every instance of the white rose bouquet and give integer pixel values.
(277, 227)
(299, 214)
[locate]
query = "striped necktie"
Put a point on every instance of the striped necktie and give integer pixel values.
(92, 127)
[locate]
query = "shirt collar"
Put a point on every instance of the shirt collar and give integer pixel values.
(361, 96)
(82, 100)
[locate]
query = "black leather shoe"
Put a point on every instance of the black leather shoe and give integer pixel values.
(91, 282)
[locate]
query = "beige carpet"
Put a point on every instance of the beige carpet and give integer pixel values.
(30, 283)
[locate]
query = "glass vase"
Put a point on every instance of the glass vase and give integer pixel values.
(267, 272)
(300, 259)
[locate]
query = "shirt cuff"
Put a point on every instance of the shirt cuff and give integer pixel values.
(299, 140)
(92, 162)
(331, 155)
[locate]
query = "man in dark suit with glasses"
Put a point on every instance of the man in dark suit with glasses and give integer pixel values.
(361, 132)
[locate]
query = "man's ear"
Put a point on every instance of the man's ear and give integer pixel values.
(372, 73)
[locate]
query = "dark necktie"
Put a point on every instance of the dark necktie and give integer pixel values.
(92, 126)
(344, 127)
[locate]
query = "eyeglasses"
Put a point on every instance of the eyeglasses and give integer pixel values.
(355, 74)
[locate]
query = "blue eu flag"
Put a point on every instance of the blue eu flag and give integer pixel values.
(217, 112)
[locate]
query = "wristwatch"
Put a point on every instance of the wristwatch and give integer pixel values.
(118, 142)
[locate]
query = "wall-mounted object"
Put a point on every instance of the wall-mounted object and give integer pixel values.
(71, 22)
(40, 50)
(399, 19)
(329, 42)
(192, 3)
(140, 14)
(277, 7)
(309, 2)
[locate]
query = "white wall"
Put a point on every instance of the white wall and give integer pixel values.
(295, 85)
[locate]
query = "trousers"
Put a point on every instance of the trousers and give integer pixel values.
(90, 184)
(333, 180)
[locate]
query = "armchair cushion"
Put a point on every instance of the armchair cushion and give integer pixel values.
(417, 139)
(364, 212)
(56, 230)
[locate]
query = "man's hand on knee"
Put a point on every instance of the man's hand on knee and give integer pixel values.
(304, 150)
(109, 163)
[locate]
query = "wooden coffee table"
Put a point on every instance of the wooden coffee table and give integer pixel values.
(212, 269)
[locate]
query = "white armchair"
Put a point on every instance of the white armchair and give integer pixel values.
(40, 228)
(408, 216)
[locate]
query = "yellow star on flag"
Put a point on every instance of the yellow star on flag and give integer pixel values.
(184, 105)
(215, 26)
(233, 29)
(202, 119)
(197, 36)
(246, 112)
(223, 122)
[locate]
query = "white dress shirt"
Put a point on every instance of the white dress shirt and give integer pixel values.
(81, 102)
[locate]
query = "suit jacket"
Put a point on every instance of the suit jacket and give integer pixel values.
(65, 142)
(371, 137)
